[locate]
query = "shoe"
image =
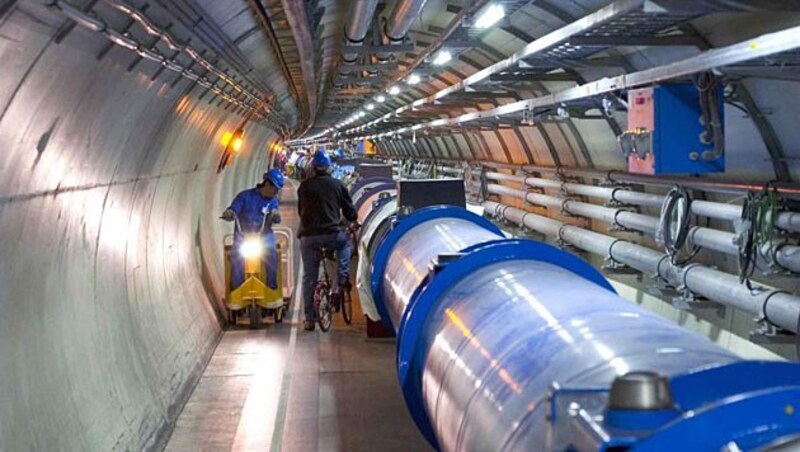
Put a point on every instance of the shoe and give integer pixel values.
(308, 325)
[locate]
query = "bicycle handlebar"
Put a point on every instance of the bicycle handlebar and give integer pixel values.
(238, 224)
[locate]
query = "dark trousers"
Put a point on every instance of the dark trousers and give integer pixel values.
(312, 257)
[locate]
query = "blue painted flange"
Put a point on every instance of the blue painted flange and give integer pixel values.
(357, 203)
(368, 180)
(379, 203)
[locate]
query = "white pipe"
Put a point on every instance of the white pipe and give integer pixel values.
(787, 220)
(786, 256)
(780, 308)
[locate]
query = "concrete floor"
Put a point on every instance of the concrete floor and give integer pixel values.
(281, 388)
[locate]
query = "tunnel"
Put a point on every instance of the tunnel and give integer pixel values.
(128, 127)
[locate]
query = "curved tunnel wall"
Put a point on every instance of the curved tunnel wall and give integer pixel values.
(111, 249)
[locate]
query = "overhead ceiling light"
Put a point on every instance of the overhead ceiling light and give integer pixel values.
(442, 57)
(381, 98)
(361, 114)
(370, 106)
(394, 90)
(413, 79)
(490, 16)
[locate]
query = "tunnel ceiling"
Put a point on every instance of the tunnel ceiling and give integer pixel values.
(310, 78)
(647, 35)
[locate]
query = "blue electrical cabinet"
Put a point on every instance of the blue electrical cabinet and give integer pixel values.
(666, 132)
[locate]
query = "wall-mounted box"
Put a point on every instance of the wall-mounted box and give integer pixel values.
(366, 170)
(419, 193)
(666, 134)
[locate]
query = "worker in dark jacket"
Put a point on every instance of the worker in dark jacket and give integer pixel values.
(324, 204)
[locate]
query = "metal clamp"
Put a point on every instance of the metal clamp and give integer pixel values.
(522, 221)
(563, 244)
(563, 209)
(616, 226)
(608, 180)
(613, 266)
(768, 332)
(658, 269)
(613, 201)
(764, 315)
(685, 272)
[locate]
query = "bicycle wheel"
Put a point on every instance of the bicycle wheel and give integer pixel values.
(347, 307)
(322, 305)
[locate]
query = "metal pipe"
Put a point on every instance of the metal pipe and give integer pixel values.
(786, 220)
(360, 18)
(449, 170)
(779, 308)
(736, 188)
(296, 16)
(787, 257)
(403, 15)
(788, 190)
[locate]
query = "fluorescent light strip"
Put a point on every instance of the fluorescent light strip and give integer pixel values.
(490, 16)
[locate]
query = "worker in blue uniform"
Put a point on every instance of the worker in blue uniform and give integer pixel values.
(257, 210)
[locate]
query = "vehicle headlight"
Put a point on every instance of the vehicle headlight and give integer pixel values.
(251, 247)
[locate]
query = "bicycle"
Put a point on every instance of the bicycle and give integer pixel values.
(329, 299)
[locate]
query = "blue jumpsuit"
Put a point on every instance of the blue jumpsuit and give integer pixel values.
(251, 208)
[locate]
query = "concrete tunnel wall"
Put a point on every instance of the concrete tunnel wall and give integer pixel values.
(111, 265)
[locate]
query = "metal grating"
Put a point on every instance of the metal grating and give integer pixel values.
(636, 24)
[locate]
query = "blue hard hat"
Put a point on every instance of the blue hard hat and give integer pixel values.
(275, 176)
(321, 160)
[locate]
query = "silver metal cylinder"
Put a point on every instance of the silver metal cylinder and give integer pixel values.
(502, 336)
(640, 390)
(359, 19)
(402, 17)
(408, 263)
